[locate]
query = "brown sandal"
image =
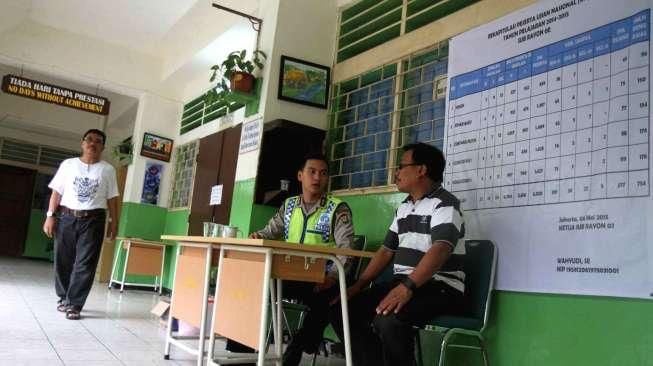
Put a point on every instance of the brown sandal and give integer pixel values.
(73, 314)
(61, 306)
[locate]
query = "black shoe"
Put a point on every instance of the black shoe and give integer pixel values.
(293, 355)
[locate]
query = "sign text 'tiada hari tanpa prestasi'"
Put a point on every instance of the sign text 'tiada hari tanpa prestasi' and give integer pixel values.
(55, 94)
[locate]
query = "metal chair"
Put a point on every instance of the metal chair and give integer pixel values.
(293, 324)
(479, 264)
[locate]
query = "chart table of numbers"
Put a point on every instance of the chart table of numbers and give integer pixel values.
(564, 122)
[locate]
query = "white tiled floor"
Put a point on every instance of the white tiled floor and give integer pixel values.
(115, 329)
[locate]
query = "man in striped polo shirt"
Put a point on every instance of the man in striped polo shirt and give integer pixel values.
(425, 244)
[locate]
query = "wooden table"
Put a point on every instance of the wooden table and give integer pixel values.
(249, 278)
(143, 257)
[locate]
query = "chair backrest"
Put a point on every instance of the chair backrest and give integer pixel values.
(359, 242)
(480, 265)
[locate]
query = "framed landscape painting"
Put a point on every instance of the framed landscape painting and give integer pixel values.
(156, 147)
(304, 82)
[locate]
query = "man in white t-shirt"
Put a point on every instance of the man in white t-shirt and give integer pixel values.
(82, 189)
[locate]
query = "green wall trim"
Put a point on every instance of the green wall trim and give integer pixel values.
(524, 328)
(383, 206)
(176, 224)
(242, 204)
(548, 329)
(37, 245)
(261, 214)
(150, 222)
(534, 329)
(142, 221)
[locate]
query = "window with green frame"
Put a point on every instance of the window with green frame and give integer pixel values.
(197, 112)
(184, 175)
(366, 24)
(374, 114)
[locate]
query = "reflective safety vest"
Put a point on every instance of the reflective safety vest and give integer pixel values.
(316, 228)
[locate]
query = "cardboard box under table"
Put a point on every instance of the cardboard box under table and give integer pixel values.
(143, 257)
(244, 288)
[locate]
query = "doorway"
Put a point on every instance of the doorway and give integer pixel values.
(16, 188)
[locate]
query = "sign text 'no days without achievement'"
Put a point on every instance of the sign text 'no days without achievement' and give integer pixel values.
(55, 94)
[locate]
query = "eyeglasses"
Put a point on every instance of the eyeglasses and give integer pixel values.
(401, 166)
(90, 140)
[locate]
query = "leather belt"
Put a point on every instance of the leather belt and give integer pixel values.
(81, 213)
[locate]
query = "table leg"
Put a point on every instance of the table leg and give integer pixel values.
(205, 299)
(163, 263)
(264, 307)
(124, 268)
(215, 303)
(273, 307)
(115, 263)
(166, 351)
(278, 337)
(344, 308)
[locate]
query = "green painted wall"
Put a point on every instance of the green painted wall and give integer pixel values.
(261, 214)
(37, 245)
(150, 222)
(176, 224)
(524, 329)
(142, 221)
(380, 206)
(536, 329)
(138, 221)
(242, 205)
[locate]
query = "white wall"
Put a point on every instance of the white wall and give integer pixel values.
(304, 29)
(159, 116)
(198, 29)
(80, 58)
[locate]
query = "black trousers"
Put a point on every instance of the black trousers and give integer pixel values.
(389, 339)
(76, 252)
(308, 338)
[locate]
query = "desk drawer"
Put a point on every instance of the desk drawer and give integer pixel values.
(294, 268)
(298, 268)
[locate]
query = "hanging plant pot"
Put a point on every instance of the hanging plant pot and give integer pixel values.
(242, 82)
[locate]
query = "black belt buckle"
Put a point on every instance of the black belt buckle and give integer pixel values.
(80, 214)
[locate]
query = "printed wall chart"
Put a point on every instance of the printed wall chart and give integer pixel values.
(548, 144)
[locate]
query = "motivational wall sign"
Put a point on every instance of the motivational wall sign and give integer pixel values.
(54, 94)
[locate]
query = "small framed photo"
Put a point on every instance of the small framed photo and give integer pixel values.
(156, 147)
(304, 82)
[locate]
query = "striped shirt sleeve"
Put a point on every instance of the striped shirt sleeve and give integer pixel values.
(392, 237)
(446, 225)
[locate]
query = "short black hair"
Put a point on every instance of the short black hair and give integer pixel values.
(95, 131)
(430, 156)
(314, 156)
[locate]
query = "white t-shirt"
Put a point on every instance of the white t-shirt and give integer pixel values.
(85, 186)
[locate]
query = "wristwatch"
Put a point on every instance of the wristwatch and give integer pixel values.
(49, 214)
(410, 284)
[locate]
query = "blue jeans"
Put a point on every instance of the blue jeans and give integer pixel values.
(76, 253)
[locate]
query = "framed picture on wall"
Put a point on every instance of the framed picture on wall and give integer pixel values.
(151, 183)
(304, 82)
(156, 147)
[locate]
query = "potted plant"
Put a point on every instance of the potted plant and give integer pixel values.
(237, 70)
(123, 152)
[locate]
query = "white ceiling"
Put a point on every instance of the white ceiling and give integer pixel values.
(141, 25)
(135, 24)
(160, 28)
(39, 117)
